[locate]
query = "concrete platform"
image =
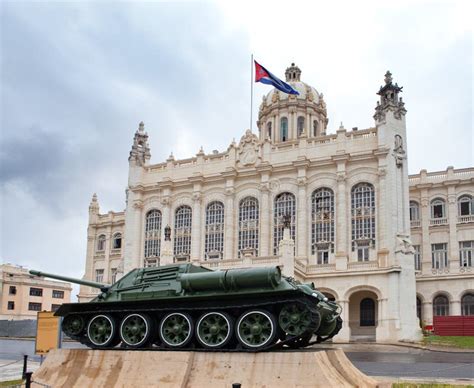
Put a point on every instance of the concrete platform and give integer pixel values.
(120, 368)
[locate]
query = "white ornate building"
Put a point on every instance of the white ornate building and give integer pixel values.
(382, 244)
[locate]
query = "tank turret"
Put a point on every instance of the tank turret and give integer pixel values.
(187, 307)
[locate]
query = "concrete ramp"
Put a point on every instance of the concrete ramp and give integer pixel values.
(122, 368)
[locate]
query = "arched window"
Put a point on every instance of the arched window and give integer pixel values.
(182, 233)
(117, 241)
(367, 312)
(283, 129)
(466, 205)
(248, 226)
(414, 211)
(419, 311)
(322, 225)
(467, 304)
(363, 219)
(152, 237)
(101, 243)
(315, 128)
(269, 130)
(285, 204)
(440, 306)
(214, 244)
(300, 125)
(438, 208)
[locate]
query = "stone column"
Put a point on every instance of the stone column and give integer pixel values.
(452, 210)
(345, 334)
(455, 307)
(342, 220)
(133, 235)
(425, 233)
(265, 221)
(196, 228)
(427, 314)
(108, 247)
(166, 216)
(229, 224)
(286, 250)
(301, 236)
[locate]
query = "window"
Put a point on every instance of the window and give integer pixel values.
(36, 291)
(55, 307)
(113, 275)
(152, 234)
(269, 130)
(414, 211)
(437, 208)
(285, 204)
(417, 257)
(467, 304)
(58, 294)
(362, 252)
(363, 217)
(440, 306)
(439, 256)
(117, 243)
(12, 290)
(34, 306)
(466, 205)
(300, 125)
(323, 256)
(214, 243)
(466, 253)
(315, 128)
(99, 275)
(101, 243)
(11, 305)
(283, 129)
(367, 312)
(322, 222)
(248, 226)
(182, 232)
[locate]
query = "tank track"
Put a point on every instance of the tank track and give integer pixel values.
(273, 305)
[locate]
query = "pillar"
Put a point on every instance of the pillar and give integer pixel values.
(196, 228)
(265, 221)
(229, 224)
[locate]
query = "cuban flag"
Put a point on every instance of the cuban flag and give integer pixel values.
(264, 76)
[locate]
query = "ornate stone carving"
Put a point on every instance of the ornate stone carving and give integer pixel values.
(248, 154)
(382, 172)
(301, 181)
(264, 187)
(197, 196)
(229, 191)
(140, 153)
(138, 204)
(398, 152)
(341, 176)
(404, 244)
(165, 201)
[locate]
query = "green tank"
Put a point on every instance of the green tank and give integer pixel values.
(184, 306)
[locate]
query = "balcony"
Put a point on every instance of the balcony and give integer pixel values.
(415, 223)
(362, 265)
(465, 219)
(438, 221)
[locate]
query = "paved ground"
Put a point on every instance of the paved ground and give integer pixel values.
(372, 359)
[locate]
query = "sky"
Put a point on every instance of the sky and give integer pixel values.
(76, 78)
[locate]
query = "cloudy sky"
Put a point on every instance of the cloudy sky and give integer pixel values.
(77, 78)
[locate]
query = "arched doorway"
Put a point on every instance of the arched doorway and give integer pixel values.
(363, 310)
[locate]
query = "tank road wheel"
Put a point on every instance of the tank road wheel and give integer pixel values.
(176, 330)
(73, 325)
(256, 329)
(294, 319)
(102, 331)
(136, 330)
(214, 330)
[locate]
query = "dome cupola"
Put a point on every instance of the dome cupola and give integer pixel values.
(284, 117)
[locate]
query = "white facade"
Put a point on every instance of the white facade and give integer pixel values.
(347, 193)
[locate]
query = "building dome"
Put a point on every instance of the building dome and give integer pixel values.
(284, 117)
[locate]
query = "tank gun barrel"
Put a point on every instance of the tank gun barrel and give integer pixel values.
(101, 286)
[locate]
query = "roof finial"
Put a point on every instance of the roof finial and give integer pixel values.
(141, 126)
(388, 77)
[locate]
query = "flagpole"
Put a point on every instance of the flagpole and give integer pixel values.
(251, 90)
